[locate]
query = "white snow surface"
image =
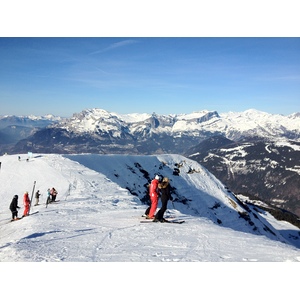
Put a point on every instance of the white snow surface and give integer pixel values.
(98, 220)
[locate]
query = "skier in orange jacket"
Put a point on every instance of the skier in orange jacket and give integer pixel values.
(154, 193)
(26, 202)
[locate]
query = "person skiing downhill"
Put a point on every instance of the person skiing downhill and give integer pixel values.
(153, 193)
(26, 202)
(14, 208)
(165, 195)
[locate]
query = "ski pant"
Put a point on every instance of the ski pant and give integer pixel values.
(164, 205)
(154, 202)
(14, 214)
(147, 210)
(26, 210)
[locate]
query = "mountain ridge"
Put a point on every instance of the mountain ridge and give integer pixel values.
(99, 131)
(158, 132)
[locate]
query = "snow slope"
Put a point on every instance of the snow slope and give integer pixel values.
(98, 220)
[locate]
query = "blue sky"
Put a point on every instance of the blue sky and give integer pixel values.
(62, 76)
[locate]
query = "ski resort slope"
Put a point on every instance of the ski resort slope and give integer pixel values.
(97, 219)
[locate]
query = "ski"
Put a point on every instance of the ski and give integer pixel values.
(177, 221)
(30, 214)
(54, 202)
(166, 217)
(33, 213)
(166, 221)
(147, 221)
(17, 219)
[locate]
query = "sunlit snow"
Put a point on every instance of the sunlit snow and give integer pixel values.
(98, 219)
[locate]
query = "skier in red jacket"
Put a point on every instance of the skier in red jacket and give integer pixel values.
(26, 202)
(154, 193)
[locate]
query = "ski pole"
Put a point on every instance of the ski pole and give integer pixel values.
(32, 195)
(173, 204)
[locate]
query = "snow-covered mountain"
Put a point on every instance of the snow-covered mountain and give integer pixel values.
(234, 125)
(16, 128)
(99, 131)
(28, 121)
(102, 198)
(262, 168)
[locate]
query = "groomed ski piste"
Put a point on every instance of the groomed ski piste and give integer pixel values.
(97, 219)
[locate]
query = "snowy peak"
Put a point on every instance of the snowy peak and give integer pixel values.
(28, 121)
(259, 118)
(199, 117)
(99, 131)
(96, 121)
(234, 125)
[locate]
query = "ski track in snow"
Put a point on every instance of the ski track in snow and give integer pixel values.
(96, 220)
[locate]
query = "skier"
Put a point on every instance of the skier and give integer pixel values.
(26, 202)
(154, 193)
(48, 197)
(37, 198)
(164, 188)
(53, 193)
(14, 208)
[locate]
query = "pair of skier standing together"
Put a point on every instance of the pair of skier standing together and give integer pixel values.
(14, 206)
(158, 188)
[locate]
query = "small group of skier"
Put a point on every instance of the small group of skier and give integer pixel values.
(51, 195)
(158, 188)
(27, 203)
(14, 206)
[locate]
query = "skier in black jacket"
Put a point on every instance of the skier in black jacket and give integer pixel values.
(14, 207)
(165, 196)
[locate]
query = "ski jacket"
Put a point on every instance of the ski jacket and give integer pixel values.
(14, 204)
(153, 188)
(26, 200)
(165, 191)
(53, 191)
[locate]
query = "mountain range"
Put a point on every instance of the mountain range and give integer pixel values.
(16, 128)
(260, 168)
(252, 152)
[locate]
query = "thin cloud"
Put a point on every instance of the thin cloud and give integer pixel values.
(115, 46)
